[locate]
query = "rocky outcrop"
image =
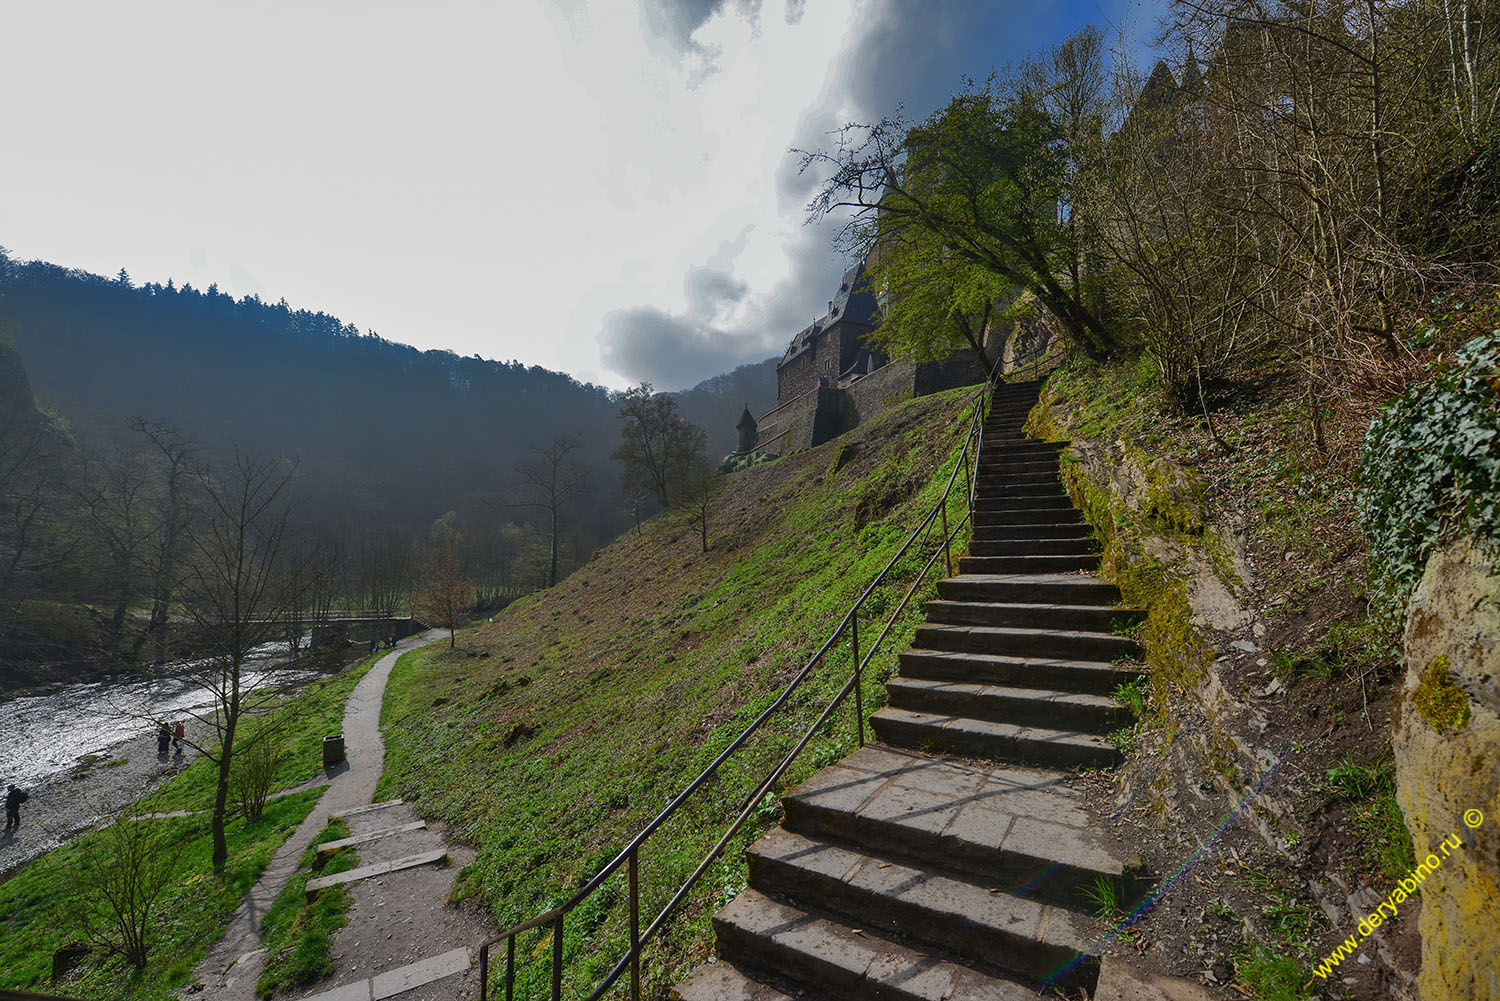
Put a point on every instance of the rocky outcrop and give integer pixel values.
(1447, 746)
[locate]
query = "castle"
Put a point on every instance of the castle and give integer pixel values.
(831, 377)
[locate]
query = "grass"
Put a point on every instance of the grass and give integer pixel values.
(193, 911)
(319, 711)
(199, 904)
(297, 933)
(1369, 788)
(1272, 977)
(1104, 894)
(641, 667)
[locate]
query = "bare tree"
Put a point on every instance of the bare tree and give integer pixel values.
(181, 467)
(657, 448)
(112, 491)
(32, 483)
(700, 497)
(444, 594)
(239, 582)
(552, 479)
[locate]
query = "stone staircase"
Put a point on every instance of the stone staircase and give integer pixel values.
(912, 869)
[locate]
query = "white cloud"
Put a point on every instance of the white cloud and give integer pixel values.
(548, 181)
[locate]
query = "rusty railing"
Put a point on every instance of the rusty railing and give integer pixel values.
(629, 857)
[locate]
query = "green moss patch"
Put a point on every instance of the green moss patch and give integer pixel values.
(1438, 700)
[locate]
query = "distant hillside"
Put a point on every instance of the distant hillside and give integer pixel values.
(384, 433)
(555, 732)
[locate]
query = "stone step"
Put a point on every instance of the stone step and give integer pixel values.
(368, 808)
(1014, 641)
(1029, 564)
(1034, 615)
(836, 960)
(1055, 515)
(989, 490)
(1094, 676)
(1010, 476)
(1058, 710)
(1028, 533)
(1019, 464)
(988, 542)
(1047, 589)
(724, 981)
(890, 895)
(329, 847)
(378, 869)
(1014, 827)
(1048, 507)
(982, 738)
(981, 546)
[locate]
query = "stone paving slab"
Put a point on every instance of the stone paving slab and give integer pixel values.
(419, 974)
(379, 869)
(370, 808)
(870, 963)
(400, 980)
(329, 847)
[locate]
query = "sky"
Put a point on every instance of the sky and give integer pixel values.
(601, 187)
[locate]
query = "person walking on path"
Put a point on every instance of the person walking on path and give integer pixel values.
(13, 799)
(177, 737)
(163, 739)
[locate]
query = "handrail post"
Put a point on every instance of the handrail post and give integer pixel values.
(947, 549)
(859, 698)
(510, 968)
(484, 972)
(557, 950)
(635, 929)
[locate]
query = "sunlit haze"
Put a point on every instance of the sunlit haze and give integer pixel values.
(602, 188)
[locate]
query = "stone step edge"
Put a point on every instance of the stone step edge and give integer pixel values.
(1050, 941)
(977, 690)
(329, 847)
(949, 628)
(402, 979)
(991, 729)
(370, 808)
(378, 869)
(950, 852)
(862, 962)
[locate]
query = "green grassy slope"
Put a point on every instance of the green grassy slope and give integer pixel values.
(554, 733)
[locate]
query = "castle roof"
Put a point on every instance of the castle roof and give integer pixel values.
(746, 418)
(854, 303)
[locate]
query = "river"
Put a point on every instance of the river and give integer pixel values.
(44, 731)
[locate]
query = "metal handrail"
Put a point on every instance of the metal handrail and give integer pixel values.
(628, 857)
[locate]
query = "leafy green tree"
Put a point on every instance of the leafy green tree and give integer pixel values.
(657, 448)
(934, 302)
(985, 178)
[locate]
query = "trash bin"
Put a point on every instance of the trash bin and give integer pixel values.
(333, 750)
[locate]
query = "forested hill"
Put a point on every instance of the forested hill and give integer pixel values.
(384, 433)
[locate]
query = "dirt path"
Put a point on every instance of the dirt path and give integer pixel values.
(398, 920)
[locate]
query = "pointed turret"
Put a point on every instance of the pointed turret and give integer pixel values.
(749, 432)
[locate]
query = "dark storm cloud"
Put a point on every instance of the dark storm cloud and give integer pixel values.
(907, 56)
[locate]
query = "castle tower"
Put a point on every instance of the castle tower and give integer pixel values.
(749, 434)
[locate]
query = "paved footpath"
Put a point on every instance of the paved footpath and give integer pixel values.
(233, 964)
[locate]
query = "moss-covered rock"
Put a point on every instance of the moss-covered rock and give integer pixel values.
(1447, 746)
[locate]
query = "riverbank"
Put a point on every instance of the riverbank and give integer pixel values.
(86, 781)
(65, 807)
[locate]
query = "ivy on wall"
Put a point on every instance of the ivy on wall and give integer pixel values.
(1431, 468)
